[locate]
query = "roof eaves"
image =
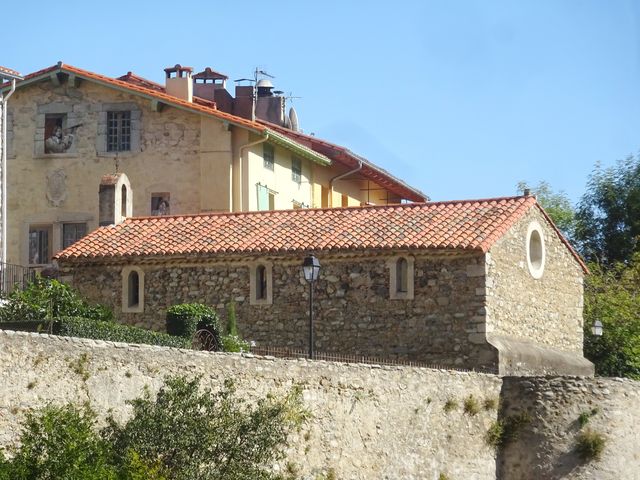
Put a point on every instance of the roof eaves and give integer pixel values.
(298, 148)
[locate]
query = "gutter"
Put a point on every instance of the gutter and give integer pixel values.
(340, 177)
(244, 148)
(4, 100)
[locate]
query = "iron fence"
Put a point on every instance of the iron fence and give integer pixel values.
(293, 353)
(14, 276)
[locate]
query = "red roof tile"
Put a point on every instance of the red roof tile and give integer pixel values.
(468, 225)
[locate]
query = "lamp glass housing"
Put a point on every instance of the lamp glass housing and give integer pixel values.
(311, 268)
(596, 329)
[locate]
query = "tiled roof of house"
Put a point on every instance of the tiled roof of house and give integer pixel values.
(7, 72)
(352, 160)
(319, 147)
(467, 225)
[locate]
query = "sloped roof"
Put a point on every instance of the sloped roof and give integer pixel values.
(352, 160)
(459, 225)
(145, 88)
(8, 73)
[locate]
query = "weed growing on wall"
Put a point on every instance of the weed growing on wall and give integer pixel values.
(471, 406)
(506, 430)
(590, 445)
(584, 417)
(450, 404)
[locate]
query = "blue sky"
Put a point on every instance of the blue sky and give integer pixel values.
(462, 99)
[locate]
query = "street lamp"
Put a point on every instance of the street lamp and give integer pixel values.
(596, 329)
(311, 271)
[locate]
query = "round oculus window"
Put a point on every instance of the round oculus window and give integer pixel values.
(535, 250)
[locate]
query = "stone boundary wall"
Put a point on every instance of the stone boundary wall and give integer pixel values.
(369, 422)
(546, 447)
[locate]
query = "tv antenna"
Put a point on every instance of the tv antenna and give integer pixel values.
(256, 73)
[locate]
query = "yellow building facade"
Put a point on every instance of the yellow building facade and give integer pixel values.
(68, 127)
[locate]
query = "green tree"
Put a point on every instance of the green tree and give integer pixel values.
(612, 296)
(608, 215)
(186, 432)
(556, 204)
(197, 434)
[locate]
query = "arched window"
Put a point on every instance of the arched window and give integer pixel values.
(123, 200)
(133, 289)
(261, 282)
(402, 272)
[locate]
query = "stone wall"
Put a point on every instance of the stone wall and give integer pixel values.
(368, 422)
(548, 309)
(546, 447)
(442, 324)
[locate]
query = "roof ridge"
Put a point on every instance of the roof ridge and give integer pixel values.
(301, 211)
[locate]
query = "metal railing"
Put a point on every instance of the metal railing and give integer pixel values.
(14, 276)
(294, 353)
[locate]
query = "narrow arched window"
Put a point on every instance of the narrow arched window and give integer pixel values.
(123, 200)
(261, 282)
(402, 275)
(133, 289)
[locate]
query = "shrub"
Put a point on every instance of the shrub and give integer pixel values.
(115, 332)
(471, 406)
(185, 319)
(450, 404)
(504, 431)
(45, 299)
(590, 445)
(185, 433)
(195, 433)
(584, 417)
(232, 341)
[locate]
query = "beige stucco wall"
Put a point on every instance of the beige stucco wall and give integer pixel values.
(179, 154)
(547, 310)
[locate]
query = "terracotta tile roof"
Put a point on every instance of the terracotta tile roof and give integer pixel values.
(8, 72)
(352, 160)
(467, 225)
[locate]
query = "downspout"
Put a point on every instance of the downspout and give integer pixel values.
(340, 177)
(265, 137)
(4, 101)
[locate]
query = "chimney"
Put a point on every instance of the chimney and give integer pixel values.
(115, 199)
(207, 82)
(179, 82)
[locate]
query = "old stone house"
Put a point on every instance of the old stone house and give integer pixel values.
(185, 146)
(487, 283)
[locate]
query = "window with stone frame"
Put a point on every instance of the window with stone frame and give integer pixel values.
(40, 237)
(261, 283)
(132, 289)
(72, 232)
(401, 277)
(119, 131)
(296, 170)
(268, 156)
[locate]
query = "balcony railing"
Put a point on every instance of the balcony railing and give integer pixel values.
(14, 277)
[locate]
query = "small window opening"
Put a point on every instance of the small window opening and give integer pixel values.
(123, 198)
(133, 289)
(268, 156)
(261, 283)
(296, 170)
(402, 273)
(535, 250)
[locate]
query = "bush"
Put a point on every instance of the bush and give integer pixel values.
(115, 332)
(45, 299)
(590, 445)
(185, 319)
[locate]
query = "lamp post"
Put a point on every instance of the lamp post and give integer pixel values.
(311, 271)
(596, 329)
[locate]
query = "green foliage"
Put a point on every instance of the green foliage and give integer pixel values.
(590, 445)
(185, 319)
(60, 442)
(471, 406)
(186, 433)
(612, 296)
(490, 404)
(608, 215)
(115, 332)
(506, 430)
(45, 299)
(443, 476)
(584, 417)
(232, 342)
(556, 204)
(450, 404)
(195, 433)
